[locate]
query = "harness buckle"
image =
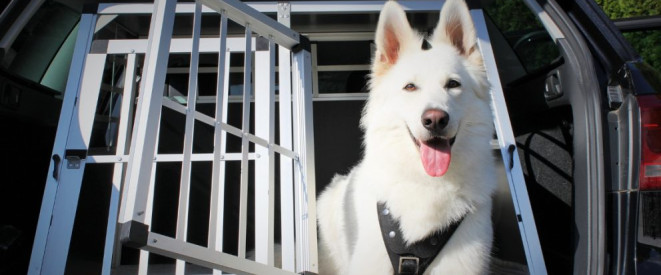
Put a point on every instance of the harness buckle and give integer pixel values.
(408, 265)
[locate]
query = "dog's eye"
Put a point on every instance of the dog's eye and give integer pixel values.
(410, 87)
(452, 84)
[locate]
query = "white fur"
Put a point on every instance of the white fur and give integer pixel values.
(391, 170)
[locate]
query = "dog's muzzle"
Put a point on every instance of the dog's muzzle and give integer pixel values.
(435, 120)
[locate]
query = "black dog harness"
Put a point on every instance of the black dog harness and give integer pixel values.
(414, 258)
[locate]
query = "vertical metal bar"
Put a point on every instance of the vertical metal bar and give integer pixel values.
(143, 263)
(217, 203)
(286, 166)
(315, 71)
(243, 195)
(521, 201)
(306, 216)
(286, 163)
(125, 121)
(184, 187)
(66, 202)
(83, 42)
(264, 164)
(149, 107)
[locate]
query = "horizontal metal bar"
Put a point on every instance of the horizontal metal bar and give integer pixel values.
(318, 97)
(202, 70)
(182, 8)
(342, 68)
(271, 7)
(340, 97)
(638, 23)
(360, 6)
(206, 257)
(178, 45)
(108, 159)
(194, 157)
(341, 36)
(201, 157)
(258, 22)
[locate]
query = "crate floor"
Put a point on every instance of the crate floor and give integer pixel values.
(498, 267)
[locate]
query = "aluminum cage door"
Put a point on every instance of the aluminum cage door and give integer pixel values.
(137, 118)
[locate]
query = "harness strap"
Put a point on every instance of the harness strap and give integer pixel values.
(415, 258)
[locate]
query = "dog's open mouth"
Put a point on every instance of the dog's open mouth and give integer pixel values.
(435, 154)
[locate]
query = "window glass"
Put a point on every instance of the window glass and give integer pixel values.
(343, 82)
(629, 8)
(8, 17)
(647, 44)
(342, 66)
(525, 35)
(40, 41)
(343, 52)
(3, 6)
(645, 40)
(57, 73)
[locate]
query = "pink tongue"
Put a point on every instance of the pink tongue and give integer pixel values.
(435, 157)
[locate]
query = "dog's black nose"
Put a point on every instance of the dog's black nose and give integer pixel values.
(435, 120)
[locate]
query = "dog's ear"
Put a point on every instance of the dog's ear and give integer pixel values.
(393, 34)
(456, 28)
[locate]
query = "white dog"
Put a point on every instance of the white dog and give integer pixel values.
(428, 166)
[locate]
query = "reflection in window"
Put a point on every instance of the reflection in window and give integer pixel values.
(46, 41)
(524, 33)
(343, 82)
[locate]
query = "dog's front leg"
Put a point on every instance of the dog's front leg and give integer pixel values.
(370, 257)
(369, 254)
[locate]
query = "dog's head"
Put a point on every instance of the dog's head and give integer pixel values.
(428, 91)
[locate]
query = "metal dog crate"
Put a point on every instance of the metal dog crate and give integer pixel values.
(118, 127)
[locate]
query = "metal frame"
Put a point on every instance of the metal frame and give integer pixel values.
(134, 204)
(287, 236)
(507, 146)
(43, 252)
(336, 7)
(265, 163)
(134, 167)
(215, 241)
(126, 112)
(182, 249)
(272, 7)
(643, 23)
(296, 148)
(184, 189)
(304, 194)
